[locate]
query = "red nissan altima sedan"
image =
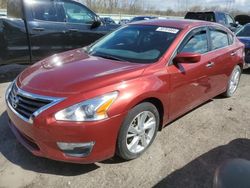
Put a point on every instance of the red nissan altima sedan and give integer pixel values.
(112, 97)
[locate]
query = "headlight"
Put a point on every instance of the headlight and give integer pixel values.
(91, 110)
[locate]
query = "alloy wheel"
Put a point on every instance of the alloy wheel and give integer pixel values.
(141, 131)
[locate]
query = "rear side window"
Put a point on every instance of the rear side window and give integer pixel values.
(219, 39)
(14, 9)
(206, 16)
(197, 43)
(45, 10)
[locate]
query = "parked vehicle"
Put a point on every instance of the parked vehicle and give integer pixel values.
(141, 18)
(242, 19)
(47, 27)
(108, 20)
(85, 105)
(124, 21)
(214, 16)
(244, 36)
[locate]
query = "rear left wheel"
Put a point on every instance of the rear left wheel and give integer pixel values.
(233, 81)
(138, 131)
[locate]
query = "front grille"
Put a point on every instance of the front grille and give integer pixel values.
(25, 105)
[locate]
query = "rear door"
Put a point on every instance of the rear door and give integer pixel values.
(79, 21)
(190, 84)
(47, 28)
(223, 58)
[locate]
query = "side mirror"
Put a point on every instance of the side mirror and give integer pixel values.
(187, 57)
(97, 22)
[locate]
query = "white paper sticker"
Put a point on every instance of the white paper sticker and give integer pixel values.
(167, 30)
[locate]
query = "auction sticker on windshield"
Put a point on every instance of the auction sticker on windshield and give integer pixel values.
(167, 30)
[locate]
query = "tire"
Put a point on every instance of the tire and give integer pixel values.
(134, 137)
(233, 82)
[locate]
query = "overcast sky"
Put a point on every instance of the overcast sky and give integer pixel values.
(243, 5)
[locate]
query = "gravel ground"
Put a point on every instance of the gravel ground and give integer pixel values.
(185, 154)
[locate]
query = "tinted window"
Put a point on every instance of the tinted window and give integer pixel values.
(221, 18)
(76, 13)
(136, 43)
(219, 39)
(198, 43)
(206, 16)
(244, 31)
(45, 10)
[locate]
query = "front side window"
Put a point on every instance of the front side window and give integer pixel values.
(135, 43)
(45, 10)
(76, 13)
(219, 39)
(222, 19)
(230, 20)
(198, 43)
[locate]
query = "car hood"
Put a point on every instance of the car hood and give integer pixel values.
(75, 72)
(245, 40)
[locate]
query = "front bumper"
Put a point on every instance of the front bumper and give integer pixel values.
(42, 136)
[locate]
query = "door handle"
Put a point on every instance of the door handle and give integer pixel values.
(210, 65)
(38, 29)
(233, 53)
(73, 30)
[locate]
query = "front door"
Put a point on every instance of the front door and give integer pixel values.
(79, 21)
(189, 82)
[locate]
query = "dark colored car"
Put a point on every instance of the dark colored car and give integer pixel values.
(214, 16)
(244, 36)
(108, 20)
(85, 105)
(141, 18)
(46, 27)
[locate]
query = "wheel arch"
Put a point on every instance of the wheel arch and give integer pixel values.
(157, 102)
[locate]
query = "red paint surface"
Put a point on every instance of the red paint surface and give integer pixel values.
(79, 77)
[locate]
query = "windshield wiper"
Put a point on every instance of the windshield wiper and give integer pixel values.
(108, 57)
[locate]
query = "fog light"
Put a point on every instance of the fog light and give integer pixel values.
(76, 149)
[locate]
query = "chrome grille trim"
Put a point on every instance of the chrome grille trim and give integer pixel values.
(22, 96)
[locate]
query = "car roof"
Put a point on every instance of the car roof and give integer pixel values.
(207, 12)
(176, 23)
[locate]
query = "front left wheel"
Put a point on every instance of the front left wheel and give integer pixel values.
(138, 131)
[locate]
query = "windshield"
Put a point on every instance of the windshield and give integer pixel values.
(135, 43)
(244, 31)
